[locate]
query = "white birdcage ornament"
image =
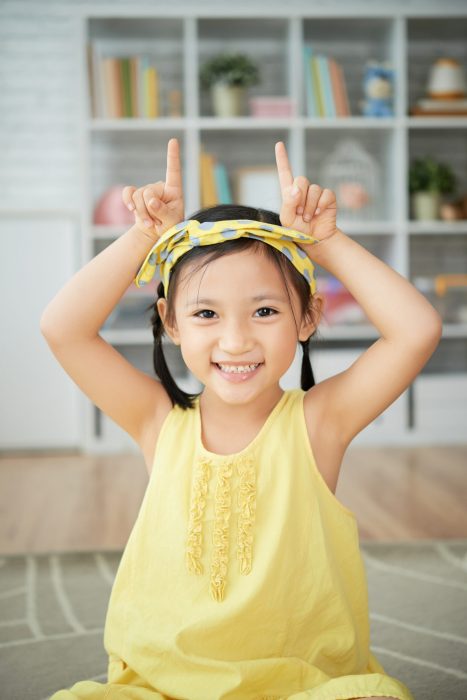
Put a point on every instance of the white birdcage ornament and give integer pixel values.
(353, 174)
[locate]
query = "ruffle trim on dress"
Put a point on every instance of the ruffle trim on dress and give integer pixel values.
(222, 511)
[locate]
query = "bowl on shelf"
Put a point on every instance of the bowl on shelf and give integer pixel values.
(110, 209)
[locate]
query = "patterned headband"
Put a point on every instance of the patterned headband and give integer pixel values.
(184, 236)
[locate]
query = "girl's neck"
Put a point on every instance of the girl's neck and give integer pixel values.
(217, 411)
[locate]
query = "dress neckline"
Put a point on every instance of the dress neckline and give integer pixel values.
(250, 446)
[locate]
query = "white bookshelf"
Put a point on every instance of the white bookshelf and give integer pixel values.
(133, 151)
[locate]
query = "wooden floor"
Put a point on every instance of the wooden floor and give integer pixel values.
(62, 502)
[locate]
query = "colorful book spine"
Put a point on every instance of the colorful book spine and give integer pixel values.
(222, 184)
(336, 89)
(144, 83)
(325, 89)
(98, 79)
(118, 106)
(319, 89)
(323, 64)
(111, 74)
(208, 183)
(134, 86)
(125, 86)
(152, 86)
(122, 86)
(311, 104)
(141, 62)
(345, 97)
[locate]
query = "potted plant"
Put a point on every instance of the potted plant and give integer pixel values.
(428, 180)
(228, 76)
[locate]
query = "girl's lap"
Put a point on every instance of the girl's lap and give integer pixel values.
(90, 690)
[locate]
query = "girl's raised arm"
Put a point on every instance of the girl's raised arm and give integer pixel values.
(409, 325)
(71, 321)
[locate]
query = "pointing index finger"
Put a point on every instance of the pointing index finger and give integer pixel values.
(283, 166)
(173, 177)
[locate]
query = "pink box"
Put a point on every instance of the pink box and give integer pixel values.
(273, 106)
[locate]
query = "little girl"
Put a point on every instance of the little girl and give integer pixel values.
(242, 577)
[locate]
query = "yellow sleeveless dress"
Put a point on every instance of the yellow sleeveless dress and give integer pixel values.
(242, 578)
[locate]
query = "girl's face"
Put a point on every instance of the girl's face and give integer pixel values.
(218, 320)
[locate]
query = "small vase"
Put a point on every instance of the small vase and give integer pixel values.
(426, 206)
(228, 100)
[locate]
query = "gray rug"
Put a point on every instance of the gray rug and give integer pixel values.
(53, 610)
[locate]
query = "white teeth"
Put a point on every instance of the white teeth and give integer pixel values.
(238, 369)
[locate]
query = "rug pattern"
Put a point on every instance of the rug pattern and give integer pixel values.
(53, 610)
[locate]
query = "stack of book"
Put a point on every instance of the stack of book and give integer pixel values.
(439, 108)
(124, 86)
(326, 92)
(215, 187)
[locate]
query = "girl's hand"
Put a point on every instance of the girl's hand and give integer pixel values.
(311, 210)
(160, 205)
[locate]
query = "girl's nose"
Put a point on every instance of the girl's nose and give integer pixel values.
(235, 339)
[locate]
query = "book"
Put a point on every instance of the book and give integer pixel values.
(343, 89)
(152, 90)
(439, 108)
(134, 86)
(310, 87)
(222, 184)
(338, 89)
(207, 180)
(122, 84)
(124, 64)
(112, 92)
(438, 105)
(318, 87)
(325, 89)
(328, 97)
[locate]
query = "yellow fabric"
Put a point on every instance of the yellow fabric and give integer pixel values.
(242, 577)
(184, 236)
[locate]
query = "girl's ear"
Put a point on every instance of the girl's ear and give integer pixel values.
(172, 331)
(312, 317)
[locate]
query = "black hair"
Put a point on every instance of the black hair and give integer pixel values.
(207, 253)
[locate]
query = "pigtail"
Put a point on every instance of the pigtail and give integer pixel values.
(177, 395)
(307, 379)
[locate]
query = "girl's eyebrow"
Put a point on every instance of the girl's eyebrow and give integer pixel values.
(258, 297)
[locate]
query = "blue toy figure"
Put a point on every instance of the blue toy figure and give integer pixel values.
(378, 83)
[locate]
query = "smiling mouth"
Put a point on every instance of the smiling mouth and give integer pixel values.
(238, 369)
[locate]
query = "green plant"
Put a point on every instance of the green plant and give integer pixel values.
(232, 69)
(426, 175)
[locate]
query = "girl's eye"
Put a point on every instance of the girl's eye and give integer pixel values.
(267, 308)
(208, 311)
(205, 311)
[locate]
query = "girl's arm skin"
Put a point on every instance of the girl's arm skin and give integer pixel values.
(409, 325)
(71, 321)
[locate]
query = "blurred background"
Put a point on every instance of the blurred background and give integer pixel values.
(371, 103)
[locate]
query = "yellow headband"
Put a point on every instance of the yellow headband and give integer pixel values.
(184, 236)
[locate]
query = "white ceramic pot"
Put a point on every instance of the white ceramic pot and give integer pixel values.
(426, 206)
(446, 81)
(228, 100)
